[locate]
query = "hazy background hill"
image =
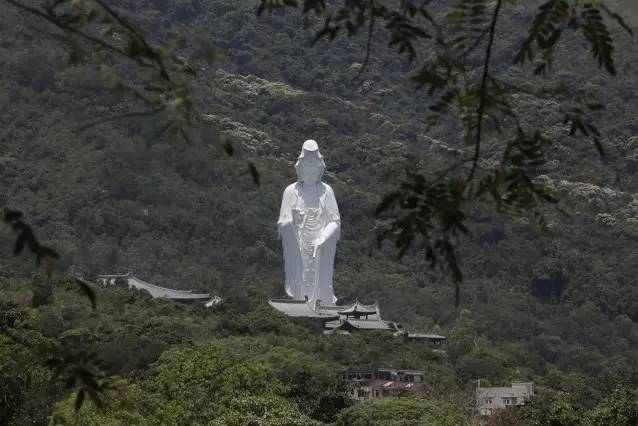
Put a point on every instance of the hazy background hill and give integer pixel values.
(118, 197)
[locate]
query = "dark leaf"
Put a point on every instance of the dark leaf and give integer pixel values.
(540, 68)
(254, 173)
(595, 106)
(228, 147)
(88, 291)
(48, 266)
(387, 202)
(79, 400)
(19, 243)
(11, 215)
(93, 394)
(48, 252)
(596, 32)
(599, 147)
(617, 17)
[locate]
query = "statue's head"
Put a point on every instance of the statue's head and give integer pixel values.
(310, 165)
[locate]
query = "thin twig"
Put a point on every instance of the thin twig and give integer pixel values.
(163, 129)
(58, 24)
(120, 117)
(140, 37)
(442, 174)
(476, 43)
(366, 60)
(53, 19)
(185, 136)
(483, 92)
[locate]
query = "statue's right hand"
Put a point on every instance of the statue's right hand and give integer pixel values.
(320, 240)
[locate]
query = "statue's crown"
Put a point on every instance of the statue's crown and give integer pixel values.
(310, 145)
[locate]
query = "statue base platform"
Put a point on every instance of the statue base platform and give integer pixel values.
(302, 308)
(337, 319)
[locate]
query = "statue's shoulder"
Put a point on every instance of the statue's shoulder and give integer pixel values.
(291, 189)
(327, 188)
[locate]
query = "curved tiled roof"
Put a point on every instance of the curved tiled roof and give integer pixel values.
(359, 309)
(155, 290)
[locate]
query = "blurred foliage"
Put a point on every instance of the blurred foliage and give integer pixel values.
(25, 237)
(429, 212)
(402, 411)
(159, 361)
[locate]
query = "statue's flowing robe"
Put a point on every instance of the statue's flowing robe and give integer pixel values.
(293, 254)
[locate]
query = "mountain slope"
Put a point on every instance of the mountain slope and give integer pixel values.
(118, 197)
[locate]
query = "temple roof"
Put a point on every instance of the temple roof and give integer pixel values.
(428, 336)
(360, 324)
(359, 309)
(523, 389)
(338, 318)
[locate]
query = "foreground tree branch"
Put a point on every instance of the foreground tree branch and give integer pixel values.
(483, 90)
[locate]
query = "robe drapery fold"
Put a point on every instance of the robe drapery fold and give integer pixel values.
(289, 231)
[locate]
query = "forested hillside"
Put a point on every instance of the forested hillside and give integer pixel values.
(559, 307)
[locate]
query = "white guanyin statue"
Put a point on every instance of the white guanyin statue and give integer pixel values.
(309, 226)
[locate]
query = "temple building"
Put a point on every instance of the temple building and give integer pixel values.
(491, 399)
(309, 226)
(358, 317)
(381, 383)
(352, 318)
(155, 291)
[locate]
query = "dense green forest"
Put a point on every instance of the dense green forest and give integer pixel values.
(558, 307)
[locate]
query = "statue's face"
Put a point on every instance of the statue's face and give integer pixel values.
(310, 169)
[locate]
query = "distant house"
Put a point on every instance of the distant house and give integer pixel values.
(154, 290)
(491, 399)
(381, 383)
